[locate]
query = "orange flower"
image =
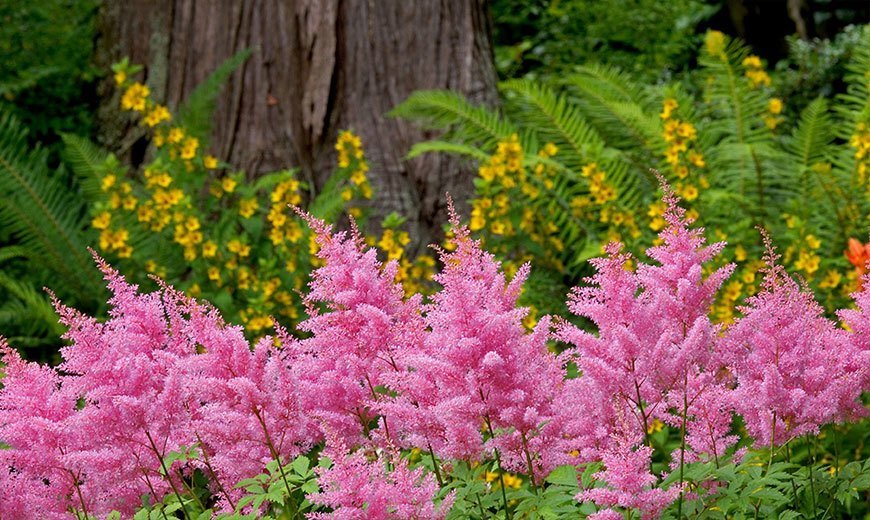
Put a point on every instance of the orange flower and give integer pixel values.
(858, 255)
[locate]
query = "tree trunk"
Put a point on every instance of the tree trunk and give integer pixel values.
(318, 66)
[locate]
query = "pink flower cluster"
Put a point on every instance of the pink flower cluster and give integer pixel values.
(795, 369)
(357, 488)
(458, 377)
(163, 373)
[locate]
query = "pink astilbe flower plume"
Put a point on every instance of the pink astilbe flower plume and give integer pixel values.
(164, 372)
(34, 414)
(242, 405)
(355, 338)
(654, 358)
(478, 370)
(357, 488)
(858, 322)
(795, 369)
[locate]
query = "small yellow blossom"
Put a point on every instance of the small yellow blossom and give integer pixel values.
(210, 162)
(228, 184)
(107, 182)
(714, 41)
(831, 280)
(156, 115)
(102, 220)
(175, 136)
(188, 149)
(774, 106)
(247, 207)
(134, 97)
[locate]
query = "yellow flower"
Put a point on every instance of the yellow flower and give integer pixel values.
(145, 213)
(210, 162)
(107, 182)
(668, 108)
(234, 245)
(478, 222)
(358, 177)
(831, 280)
(758, 77)
(209, 249)
(752, 62)
(807, 262)
(102, 221)
(696, 159)
(188, 149)
(134, 97)
(690, 192)
(228, 184)
(813, 242)
(156, 115)
(740, 253)
(247, 207)
(175, 136)
(120, 77)
(214, 274)
(714, 41)
(687, 130)
(774, 106)
(655, 426)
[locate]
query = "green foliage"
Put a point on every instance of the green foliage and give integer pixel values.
(547, 38)
(46, 219)
(815, 68)
(45, 74)
(732, 150)
(190, 219)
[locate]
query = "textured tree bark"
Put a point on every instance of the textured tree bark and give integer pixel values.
(318, 66)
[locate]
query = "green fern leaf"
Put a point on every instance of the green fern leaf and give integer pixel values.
(440, 109)
(87, 161)
(43, 213)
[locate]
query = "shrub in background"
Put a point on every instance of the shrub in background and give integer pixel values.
(581, 152)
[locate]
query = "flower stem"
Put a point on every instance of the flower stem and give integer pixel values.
(435, 466)
(507, 511)
(166, 472)
(683, 444)
(213, 474)
(275, 456)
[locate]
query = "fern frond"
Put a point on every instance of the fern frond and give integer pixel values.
(853, 106)
(195, 113)
(618, 108)
(437, 146)
(464, 122)
(27, 316)
(87, 161)
(809, 142)
(554, 119)
(42, 212)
